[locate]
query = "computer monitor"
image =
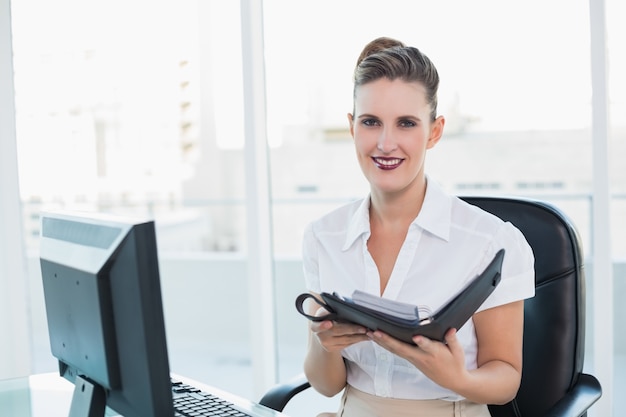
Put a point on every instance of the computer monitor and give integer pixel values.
(105, 316)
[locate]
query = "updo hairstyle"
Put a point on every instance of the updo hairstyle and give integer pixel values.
(389, 58)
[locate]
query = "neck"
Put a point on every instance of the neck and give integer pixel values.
(399, 208)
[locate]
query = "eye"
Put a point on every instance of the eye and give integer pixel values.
(370, 122)
(407, 123)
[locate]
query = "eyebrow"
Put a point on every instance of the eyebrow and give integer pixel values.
(403, 117)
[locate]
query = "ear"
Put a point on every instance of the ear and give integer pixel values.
(436, 131)
(351, 121)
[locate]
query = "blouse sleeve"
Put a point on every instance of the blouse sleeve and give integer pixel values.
(518, 268)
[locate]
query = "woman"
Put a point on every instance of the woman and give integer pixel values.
(410, 241)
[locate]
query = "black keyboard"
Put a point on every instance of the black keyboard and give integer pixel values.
(192, 402)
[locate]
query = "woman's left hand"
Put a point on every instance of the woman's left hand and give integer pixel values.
(444, 363)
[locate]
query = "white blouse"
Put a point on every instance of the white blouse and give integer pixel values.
(449, 243)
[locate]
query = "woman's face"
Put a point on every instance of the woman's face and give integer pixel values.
(392, 130)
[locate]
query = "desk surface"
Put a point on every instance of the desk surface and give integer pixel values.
(49, 395)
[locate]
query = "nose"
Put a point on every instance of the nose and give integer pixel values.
(386, 142)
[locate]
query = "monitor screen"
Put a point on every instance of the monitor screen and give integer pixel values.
(105, 317)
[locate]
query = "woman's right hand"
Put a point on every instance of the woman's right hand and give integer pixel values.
(334, 336)
(324, 366)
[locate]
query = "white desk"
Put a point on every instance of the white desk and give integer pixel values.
(49, 395)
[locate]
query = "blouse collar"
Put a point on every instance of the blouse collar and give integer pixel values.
(434, 217)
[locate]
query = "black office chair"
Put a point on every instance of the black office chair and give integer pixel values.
(553, 383)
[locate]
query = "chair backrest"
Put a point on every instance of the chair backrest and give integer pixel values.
(554, 320)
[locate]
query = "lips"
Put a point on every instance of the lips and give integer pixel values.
(387, 163)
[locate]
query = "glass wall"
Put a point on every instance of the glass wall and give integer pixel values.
(137, 108)
(126, 107)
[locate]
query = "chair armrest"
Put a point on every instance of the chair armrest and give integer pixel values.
(578, 400)
(278, 396)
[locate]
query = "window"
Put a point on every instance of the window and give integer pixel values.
(136, 108)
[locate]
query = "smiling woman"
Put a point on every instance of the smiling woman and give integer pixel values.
(390, 244)
(393, 128)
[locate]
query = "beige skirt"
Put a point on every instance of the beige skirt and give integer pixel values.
(355, 403)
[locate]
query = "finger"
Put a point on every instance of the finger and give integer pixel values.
(321, 326)
(422, 342)
(389, 342)
(320, 312)
(453, 342)
(348, 328)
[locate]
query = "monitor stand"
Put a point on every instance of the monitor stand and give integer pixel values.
(89, 399)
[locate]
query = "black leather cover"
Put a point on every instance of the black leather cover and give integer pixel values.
(452, 315)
